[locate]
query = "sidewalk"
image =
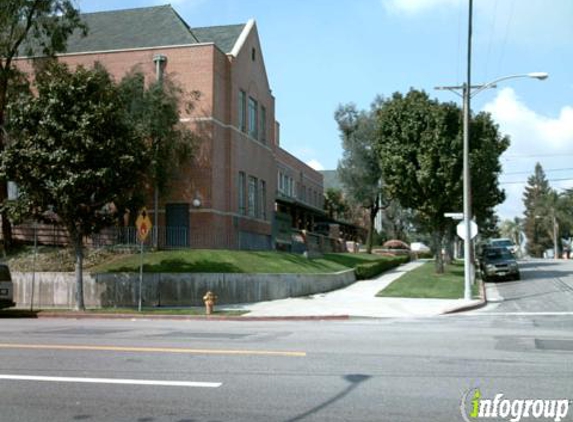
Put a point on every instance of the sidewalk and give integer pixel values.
(356, 300)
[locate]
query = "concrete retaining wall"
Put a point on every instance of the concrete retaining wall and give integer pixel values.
(108, 290)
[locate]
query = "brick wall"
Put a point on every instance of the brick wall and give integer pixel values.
(224, 151)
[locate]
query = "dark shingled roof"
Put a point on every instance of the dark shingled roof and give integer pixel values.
(224, 37)
(146, 27)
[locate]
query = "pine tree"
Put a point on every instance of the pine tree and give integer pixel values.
(535, 200)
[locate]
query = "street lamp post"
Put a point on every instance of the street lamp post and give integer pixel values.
(466, 95)
(467, 92)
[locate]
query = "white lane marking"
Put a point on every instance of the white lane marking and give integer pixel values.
(112, 381)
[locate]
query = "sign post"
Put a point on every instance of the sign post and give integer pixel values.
(143, 224)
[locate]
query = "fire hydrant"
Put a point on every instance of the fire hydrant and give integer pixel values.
(209, 299)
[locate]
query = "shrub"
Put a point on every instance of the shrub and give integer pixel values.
(372, 269)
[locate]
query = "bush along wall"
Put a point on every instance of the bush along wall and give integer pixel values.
(372, 269)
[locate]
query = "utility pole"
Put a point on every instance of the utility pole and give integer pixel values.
(159, 60)
(469, 91)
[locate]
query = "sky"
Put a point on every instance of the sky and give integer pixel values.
(323, 53)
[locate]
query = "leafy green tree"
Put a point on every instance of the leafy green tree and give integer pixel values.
(397, 222)
(29, 27)
(335, 205)
(419, 146)
(359, 169)
(154, 110)
(487, 145)
(536, 200)
(555, 217)
(73, 150)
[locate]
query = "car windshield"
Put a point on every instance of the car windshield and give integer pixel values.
(499, 254)
(502, 243)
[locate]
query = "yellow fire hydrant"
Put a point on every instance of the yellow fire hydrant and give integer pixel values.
(209, 299)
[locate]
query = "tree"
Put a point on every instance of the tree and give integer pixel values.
(29, 27)
(359, 169)
(419, 145)
(335, 205)
(487, 145)
(535, 198)
(397, 222)
(73, 150)
(154, 110)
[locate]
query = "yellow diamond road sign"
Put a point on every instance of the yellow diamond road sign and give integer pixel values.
(143, 224)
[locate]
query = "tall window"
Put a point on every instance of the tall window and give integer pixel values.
(263, 125)
(263, 201)
(253, 124)
(242, 111)
(242, 197)
(252, 207)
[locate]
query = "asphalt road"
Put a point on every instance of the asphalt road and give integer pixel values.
(546, 287)
(358, 370)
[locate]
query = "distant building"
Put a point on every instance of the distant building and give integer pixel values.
(227, 196)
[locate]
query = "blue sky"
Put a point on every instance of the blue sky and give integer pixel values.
(322, 53)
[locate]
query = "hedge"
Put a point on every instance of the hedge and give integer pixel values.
(372, 269)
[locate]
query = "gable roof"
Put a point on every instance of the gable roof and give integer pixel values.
(146, 27)
(224, 37)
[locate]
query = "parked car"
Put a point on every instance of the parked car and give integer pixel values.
(505, 243)
(498, 263)
(6, 288)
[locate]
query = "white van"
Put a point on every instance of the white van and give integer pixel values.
(6, 288)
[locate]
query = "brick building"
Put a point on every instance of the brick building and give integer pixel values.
(227, 196)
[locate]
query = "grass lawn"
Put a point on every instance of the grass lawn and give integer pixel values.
(227, 261)
(423, 282)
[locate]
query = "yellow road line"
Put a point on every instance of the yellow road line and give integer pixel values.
(152, 350)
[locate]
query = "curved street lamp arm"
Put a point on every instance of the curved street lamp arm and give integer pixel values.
(536, 75)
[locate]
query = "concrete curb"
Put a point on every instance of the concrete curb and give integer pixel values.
(192, 317)
(473, 306)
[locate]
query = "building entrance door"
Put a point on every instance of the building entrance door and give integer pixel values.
(177, 225)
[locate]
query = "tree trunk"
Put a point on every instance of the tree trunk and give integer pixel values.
(438, 239)
(449, 246)
(370, 240)
(6, 225)
(79, 253)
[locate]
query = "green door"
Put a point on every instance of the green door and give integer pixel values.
(177, 225)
